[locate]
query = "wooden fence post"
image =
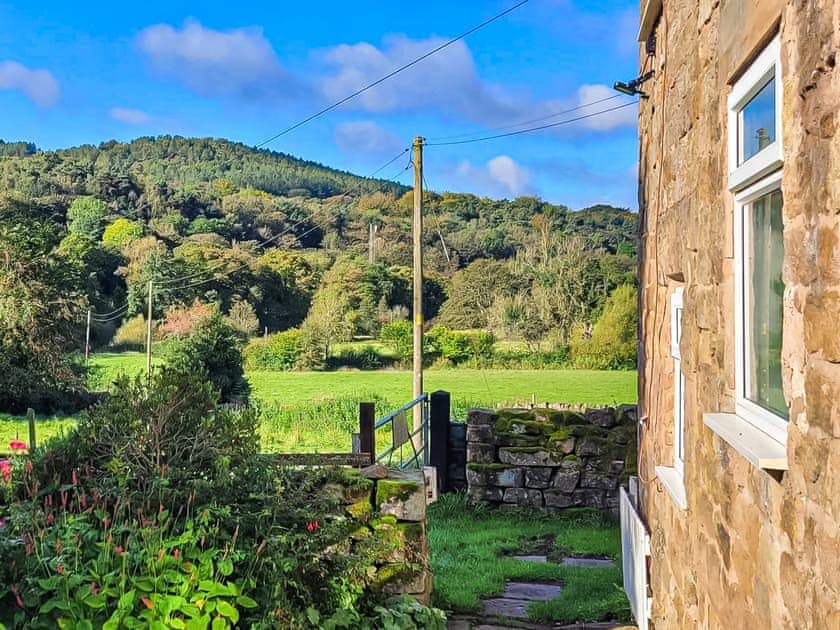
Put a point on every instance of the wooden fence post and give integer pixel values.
(439, 437)
(30, 417)
(367, 418)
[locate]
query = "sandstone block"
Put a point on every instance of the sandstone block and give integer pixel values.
(557, 499)
(402, 495)
(604, 418)
(480, 433)
(589, 497)
(480, 416)
(481, 453)
(565, 481)
(537, 477)
(600, 481)
(523, 497)
(481, 494)
(528, 457)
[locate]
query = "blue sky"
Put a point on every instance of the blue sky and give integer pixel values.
(77, 72)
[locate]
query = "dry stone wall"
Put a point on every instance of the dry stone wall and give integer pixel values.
(550, 458)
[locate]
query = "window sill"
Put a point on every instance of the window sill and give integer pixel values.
(674, 484)
(757, 447)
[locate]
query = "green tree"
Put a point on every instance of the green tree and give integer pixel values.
(474, 290)
(399, 337)
(326, 324)
(121, 232)
(41, 310)
(612, 344)
(86, 216)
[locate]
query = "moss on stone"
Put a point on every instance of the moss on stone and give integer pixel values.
(400, 489)
(560, 435)
(393, 572)
(361, 510)
(571, 458)
(383, 520)
(487, 467)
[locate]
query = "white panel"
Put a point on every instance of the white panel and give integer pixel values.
(635, 549)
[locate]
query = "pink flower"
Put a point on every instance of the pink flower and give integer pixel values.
(94, 589)
(6, 470)
(18, 600)
(311, 527)
(17, 445)
(118, 549)
(59, 569)
(176, 554)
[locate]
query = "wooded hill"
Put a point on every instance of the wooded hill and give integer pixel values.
(253, 229)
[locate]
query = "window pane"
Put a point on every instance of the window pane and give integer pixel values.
(758, 122)
(765, 290)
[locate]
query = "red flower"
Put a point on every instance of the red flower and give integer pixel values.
(18, 600)
(94, 589)
(17, 445)
(148, 603)
(59, 569)
(118, 549)
(176, 554)
(6, 470)
(311, 527)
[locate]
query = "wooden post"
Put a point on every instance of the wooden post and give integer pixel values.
(417, 239)
(30, 418)
(439, 437)
(367, 439)
(149, 338)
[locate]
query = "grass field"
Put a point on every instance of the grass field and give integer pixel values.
(317, 411)
(470, 549)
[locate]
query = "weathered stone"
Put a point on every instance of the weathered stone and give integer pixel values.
(374, 471)
(532, 591)
(616, 466)
(591, 563)
(481, 453)
(523, 497)
(565, 481)
(604, 418)
(494, 475)
(556, 499)
(480, 433)
(566, 446)
(480, 416)
(481, 494)
(529, 457)
(538, 477)
(589, 497)
(504, 607)
(538, 559)
(594, 480)
(589, 447)
(626, 414)
(402, 495)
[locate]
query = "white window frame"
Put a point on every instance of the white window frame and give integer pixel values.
(762, 419)
(766, 66)
(679, 381)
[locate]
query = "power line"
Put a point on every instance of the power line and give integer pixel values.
(533, 120)
(531, 129)
(391, 74)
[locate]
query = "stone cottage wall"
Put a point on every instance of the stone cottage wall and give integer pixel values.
(550, 458)
(751, 550)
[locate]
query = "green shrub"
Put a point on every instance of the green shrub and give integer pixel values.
(279, 351)
(121, 232)
(612, 345)
(211, 349)
(365, 358)
(131, 335)
(459, 346)
(399, 337)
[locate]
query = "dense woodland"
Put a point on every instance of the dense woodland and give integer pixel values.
(278, 243)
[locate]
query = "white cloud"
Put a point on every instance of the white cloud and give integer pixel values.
(365, 136)
(449, 82)
(129, 116)
(625, 117)
(39, 85)
(499, 177)
(238, 61)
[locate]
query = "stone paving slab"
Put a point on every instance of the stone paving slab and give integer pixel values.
(506, 607)
(532, 592)
(531, 558)
(467, 622)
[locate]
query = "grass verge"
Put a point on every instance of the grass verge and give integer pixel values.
(469, 548)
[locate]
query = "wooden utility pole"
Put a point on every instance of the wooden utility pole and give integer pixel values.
(372, 229)
(149, 338)
(87, 339)
(417, 239)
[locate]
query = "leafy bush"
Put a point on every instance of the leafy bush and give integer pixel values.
(243, 318)
(612, 345)
(121, 232)
(279, 351)
(211, 349)
(399, 337)
(131, 335)
(365, 358)
(158, 512)
(457, 346)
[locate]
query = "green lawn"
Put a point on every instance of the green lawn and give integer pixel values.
(17, 428)
(484, 386)
(317, 411)
(470, 549)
